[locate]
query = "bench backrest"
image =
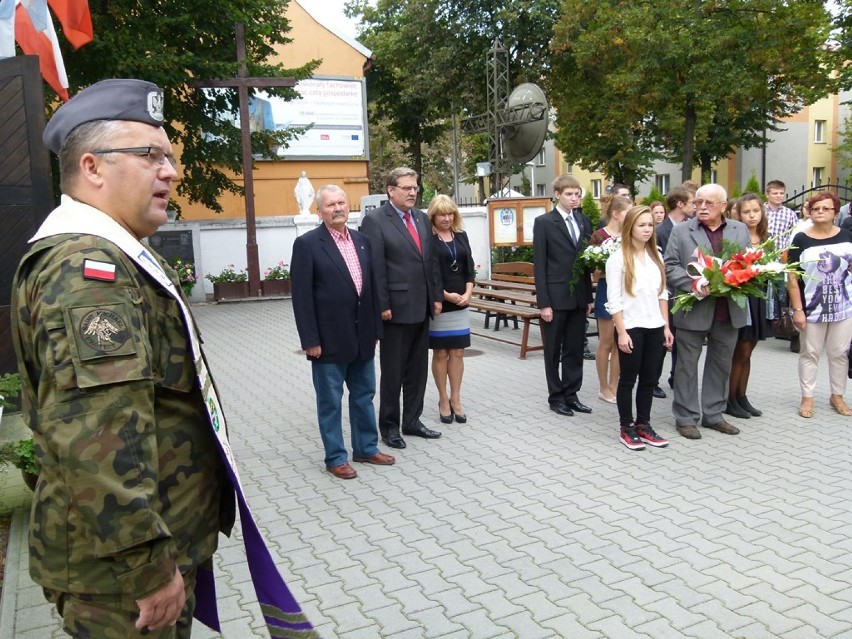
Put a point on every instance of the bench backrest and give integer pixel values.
(513, 272)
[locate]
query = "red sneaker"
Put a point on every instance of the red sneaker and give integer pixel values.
(630, 439)
(647, 435)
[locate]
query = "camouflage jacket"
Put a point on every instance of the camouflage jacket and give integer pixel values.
(130, 480)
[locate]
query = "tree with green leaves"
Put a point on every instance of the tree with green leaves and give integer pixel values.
(430, 55)
(175, 43)
(636, 81)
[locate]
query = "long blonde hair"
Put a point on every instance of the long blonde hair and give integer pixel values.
(630, 251)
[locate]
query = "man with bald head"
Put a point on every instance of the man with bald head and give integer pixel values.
(716, 319)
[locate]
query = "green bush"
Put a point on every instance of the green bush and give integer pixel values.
(501, 254)
(20, 454)
(654, 196)
(591, 208)
(10, 388)
(753, 186)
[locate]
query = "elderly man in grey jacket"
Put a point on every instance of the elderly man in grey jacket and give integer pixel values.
(716, 319)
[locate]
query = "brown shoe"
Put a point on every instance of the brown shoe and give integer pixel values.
(344, 471)
(380, 459)
(840, 407)
(724, 427)
(690, 432)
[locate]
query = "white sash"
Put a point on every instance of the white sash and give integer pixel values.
(284, 617)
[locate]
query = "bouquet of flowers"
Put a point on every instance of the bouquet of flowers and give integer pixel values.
(738, 274)
(186, 275)
(594, 256)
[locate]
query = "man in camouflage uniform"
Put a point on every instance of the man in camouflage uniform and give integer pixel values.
(131, 493)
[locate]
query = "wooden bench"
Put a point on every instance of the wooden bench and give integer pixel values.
(511, 275)
(520, 272)
(517, 311)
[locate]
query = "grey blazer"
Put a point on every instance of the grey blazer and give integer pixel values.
(682, 249)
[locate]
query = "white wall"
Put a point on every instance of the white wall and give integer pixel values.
(220, 243)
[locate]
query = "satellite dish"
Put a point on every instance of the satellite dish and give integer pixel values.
(525, 122)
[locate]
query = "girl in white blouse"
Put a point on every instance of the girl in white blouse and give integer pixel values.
(638, 302)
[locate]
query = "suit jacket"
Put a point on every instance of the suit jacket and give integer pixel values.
(664, 231)
(555, 253)
(408, 282)
(329, 312)
(686, 238)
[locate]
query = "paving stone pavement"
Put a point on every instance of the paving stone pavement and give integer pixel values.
(522, 523)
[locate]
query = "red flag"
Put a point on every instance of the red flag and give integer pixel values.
(75, 19)
(44, 46)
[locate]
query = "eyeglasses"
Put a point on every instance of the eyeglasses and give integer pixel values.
(707, 202)
(820, 209)
(154, 154)
(407, 189)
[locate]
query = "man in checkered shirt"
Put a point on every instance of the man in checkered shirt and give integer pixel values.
(780, 218)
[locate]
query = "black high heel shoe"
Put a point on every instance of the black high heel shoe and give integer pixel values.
(461, 418)
(446, 419)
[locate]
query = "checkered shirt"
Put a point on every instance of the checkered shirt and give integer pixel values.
(347, 249)
(780, 221)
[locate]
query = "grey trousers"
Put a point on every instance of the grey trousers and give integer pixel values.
(721, 340)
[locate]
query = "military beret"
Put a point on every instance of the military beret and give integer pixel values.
(117, 99)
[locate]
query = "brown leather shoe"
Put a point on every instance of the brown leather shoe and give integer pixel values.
(690, 432)
(344, 471)
(724, 427)
(380, 459)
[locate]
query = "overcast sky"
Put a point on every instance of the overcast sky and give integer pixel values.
(331, 12)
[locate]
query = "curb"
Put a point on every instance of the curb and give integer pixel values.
(15, 550)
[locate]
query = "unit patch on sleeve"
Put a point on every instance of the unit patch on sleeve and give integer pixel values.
(103, 330)
(95, 270)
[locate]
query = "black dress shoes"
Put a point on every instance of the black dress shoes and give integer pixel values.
(561, 409)
(419, 430)
(394, 441)
(659, 393)
(578, 407)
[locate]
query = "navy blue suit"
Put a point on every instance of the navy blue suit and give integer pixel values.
(331, 314)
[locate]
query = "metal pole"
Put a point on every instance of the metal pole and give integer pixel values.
(455, 155)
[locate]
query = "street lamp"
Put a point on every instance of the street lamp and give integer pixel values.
(531, 164)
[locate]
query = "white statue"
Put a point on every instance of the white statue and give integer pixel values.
(304, 192)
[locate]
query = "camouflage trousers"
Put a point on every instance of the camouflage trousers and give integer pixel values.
(114, 616)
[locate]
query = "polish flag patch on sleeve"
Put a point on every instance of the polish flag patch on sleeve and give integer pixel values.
(94, 270)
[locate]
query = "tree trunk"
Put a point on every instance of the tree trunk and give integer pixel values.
(688, 139)
(706, 168)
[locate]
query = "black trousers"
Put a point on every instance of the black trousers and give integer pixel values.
(644, 363)
(563, 354)
(404, 357)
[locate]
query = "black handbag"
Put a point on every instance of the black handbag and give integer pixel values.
(783, 326)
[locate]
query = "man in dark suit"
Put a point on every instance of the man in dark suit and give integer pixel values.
(716, 319)
(337, 316)
(409, 291)
(680, 203)
(558, 237)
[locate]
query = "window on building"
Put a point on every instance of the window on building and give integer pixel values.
(596, 189)
(714, 176)
(818, 175)
(540, 190)
(662, 182)
(540, 161)
(819, 131)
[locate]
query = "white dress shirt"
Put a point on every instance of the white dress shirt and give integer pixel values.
(642, 309)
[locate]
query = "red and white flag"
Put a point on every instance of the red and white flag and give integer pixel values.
(29, 23)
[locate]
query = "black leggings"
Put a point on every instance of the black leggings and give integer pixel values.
(644, 362)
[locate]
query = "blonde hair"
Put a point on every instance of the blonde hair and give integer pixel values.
(630, 251)
(442, 204)
(614, 204)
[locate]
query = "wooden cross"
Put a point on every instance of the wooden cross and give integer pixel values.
(243, 83)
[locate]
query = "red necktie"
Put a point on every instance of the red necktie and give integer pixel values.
(409, 224)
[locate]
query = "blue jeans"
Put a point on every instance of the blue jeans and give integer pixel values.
(360, 378)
